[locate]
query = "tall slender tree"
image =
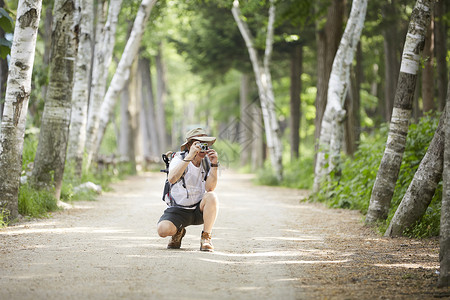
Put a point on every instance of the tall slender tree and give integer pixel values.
(16, 103)
(80, 94)
(332, 131)
(387, 175)
(264, 83)
(53, 138)
(122, 72)
(105, 40)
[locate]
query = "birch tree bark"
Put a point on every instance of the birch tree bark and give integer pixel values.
(421, 190)
(123, 71)
(16, 103)
(264, 83)
(332, 129)
(387, 175)
(102, 59)
(444, 254)
(80, 94)
(51, 151)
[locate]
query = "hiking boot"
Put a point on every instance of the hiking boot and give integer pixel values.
(175, 241)
(205, 242)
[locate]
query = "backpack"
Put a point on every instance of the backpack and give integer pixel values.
(167, 196)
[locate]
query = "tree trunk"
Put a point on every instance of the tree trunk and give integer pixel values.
(332, 132)
(387, 175)
(51, 151)
(440, 42)
(421, 190)
(245, 125)
(327, 40)
(103, 51)
(258, 137)
(161, 94)
(80, 94)
(428, 70)
(295, 103)
(122, 72)
(391, 61)
(127, 123)
(444, 254)
(148, 111)
(133, 107)
(352, 106)
(16, 104)
(264, 83)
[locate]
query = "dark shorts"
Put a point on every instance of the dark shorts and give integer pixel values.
(182, 217)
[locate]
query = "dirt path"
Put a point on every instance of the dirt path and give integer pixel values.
(268, 246)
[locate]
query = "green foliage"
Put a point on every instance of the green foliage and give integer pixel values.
(353, 189)
(4, 217)
(36, 203)
(7, 25)
(297, 174)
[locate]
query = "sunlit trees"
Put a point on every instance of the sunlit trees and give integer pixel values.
(103, 52)
(122, 72)
(16, 104)
(332, 131)
(387, 175)
(263, 78)
(421, 189)
(80, 95)
(53, 138)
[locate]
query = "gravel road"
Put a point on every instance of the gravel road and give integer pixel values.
(269, 245)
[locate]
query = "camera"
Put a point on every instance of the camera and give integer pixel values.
(204, 147)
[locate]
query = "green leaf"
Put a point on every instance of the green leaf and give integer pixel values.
(6, 22)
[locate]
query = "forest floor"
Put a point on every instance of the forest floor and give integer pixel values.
(269, 245)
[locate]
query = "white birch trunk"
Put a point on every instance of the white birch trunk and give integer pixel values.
(264, 83)
(102, 59)
(123, 71)
(51, 152)
(16, 103)
(387, 175)
(444, 239)
(80, 93)
(332, 131)
(421, 189)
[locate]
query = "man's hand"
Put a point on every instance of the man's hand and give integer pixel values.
(212, 154)
(195, 148)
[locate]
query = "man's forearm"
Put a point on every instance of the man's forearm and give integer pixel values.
(177, 171)
(211, 181)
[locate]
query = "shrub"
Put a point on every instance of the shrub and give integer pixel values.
(36, 203)
(353, 189)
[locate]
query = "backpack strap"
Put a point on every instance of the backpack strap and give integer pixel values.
(206, 165)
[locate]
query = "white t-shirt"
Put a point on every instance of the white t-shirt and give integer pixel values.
(194, 178)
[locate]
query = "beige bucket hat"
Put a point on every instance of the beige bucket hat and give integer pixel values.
(197, 134)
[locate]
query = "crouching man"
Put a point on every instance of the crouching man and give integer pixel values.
(193, 178)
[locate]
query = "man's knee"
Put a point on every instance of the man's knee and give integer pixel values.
(210, 198)
(166, 228)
